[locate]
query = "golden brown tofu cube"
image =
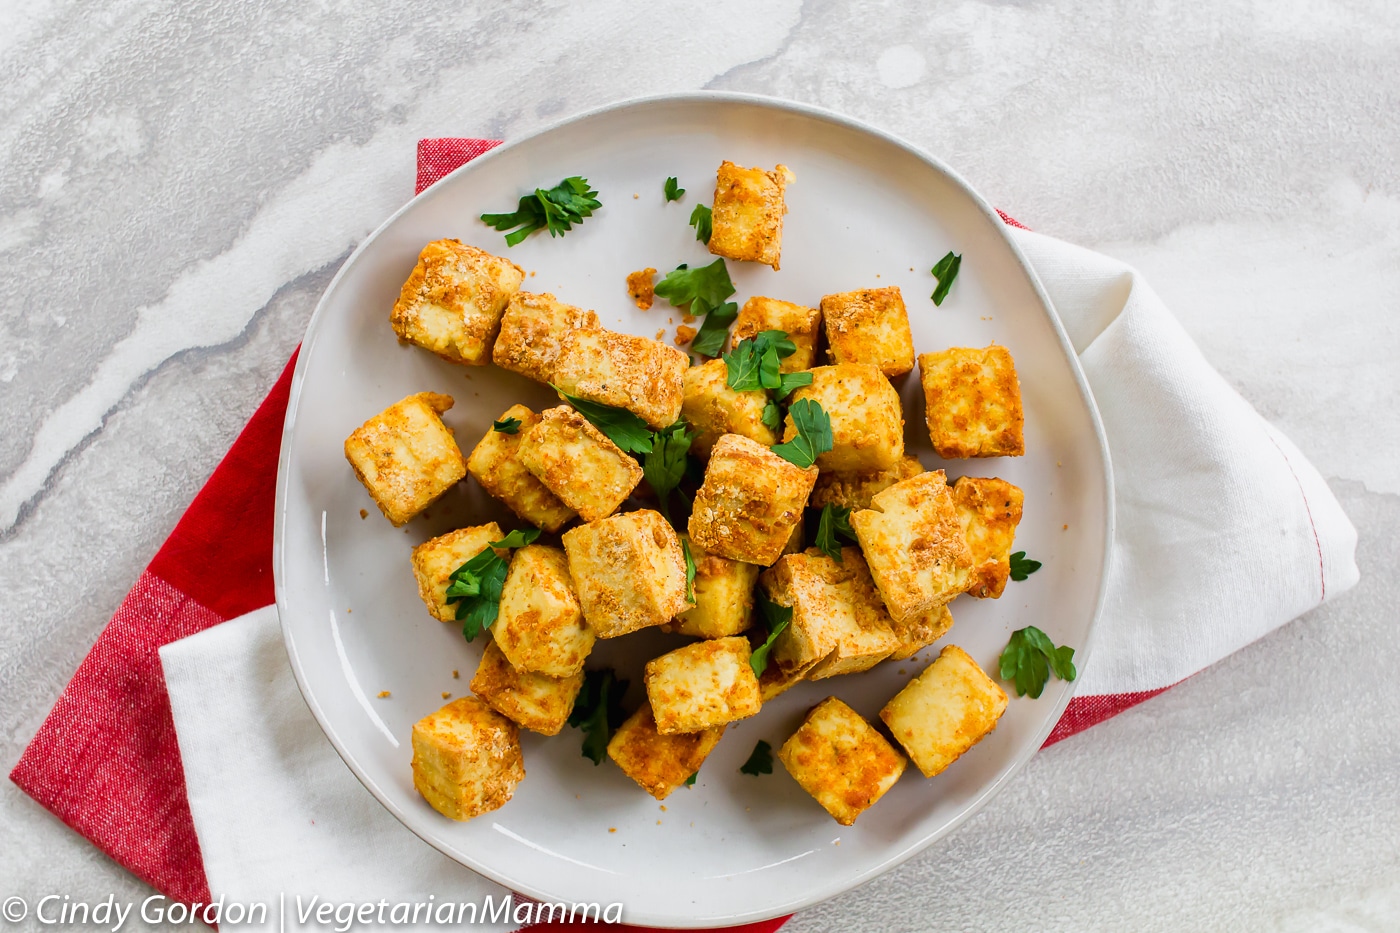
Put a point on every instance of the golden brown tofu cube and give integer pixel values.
(723, 597)
(538, 702)
(659, 763)
(750, 501)
(646, 377)
(466, 758)
(855, 490)
(867, 424)
(578, 463)
(913, 541)
(841, 760)
(714, 410)
(406, 456)
(453, 301)
(870, 326)
(972, 402)
(920, 632)
(839, 625)
(989, 509)
(495, 464)
(747, 217)
(532, 333)
(540, 627)
(435, 560)
(777, 680)
(944, 711)
(801, 324)
(628, 571)
(705, 684)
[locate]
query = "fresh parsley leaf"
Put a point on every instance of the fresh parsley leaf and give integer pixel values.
(476, 585)
(710, 338)
(673, 189)
(776, 618)
(690, 781)
(1029, 658)
(789, 381)
(623, 428)
(945, 272)
(556, 209)
(506, 425)
(664, 465)
(1022, 566)
(689, 571)
(813, 434)
(518, 538)
(772, 417)
(760, 761)
(598, 711)
(753, 363)
(702, 219)
(835, 519)
(683, 285)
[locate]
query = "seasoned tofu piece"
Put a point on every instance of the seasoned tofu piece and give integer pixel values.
(532, 333)
(867, 424)
(714, 410)
(914, 543)
(777, 680)
(723, 597)
(541, 627)
(870, 326)
(705, 684)
(798, 539)
(435, 560)
(659, 763)
(406, 456)
(453, 301)
(972, 402)
(801, 324)
(855, 490)
(990, 510)
(944, 711)
(628, 571)
(641, 287)
(466, 758)
(538, 702)
(495, 464)
(841, 760)
(839, 625)
(646, 377)
(920, 632)
(750, 501)
(578, 463)
(747, 217)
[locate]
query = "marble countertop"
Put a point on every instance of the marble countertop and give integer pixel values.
(181, 181)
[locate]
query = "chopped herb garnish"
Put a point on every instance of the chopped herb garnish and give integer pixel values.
(690, 781)
(789, 381)
(835, 519)
(556, 209)
(673, 189)
(683, 285)
(709, 340)
(760, 761)
(476, 585)
(689, 571)
(945, 272)
(1029, 658)
(754, 361)
(622, 427)
(772, 417)
(776, 618)
(1022, 566)
(598, 711)
(813, 434)
(664, 465)
(506, 425)
(702, 219)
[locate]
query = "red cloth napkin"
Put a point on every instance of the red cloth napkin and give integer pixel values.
(106, 761)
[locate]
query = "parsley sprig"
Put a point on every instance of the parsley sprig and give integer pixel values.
(664, 464)
(623, 428)
(598, 711)
(754, 364)
(673, 189)
(1029, 658)
(556, 209)
(760, 760)
(689, 570)
(703, 291)
(813, 434)
(945, 272)
(776, 618)
(476, 585)
(835, 519)
(506, 426)
(702, 219)
(1022, 566)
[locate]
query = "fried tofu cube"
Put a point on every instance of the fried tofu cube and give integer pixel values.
(495, 464)
(920, 632)
(723, 597)
(989, 509)
(453, 301)
(659, 763)
(466, 758)
(406, 457)
(972, 403)
(944, 711)
(747, 217)
(578, 463)
(867, 423)
(646, 377)
(705, 684)
(532, 333)
(750, 501)
(839, 625)
(777, 680)
(628, 571)
(435, 560)
(538, 702)
(855, 490)
(540, 627)
(713, 409)
(801, 324)
(841, 760)
(870, 325)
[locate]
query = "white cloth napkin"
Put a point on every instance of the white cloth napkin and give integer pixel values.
(1225, 532)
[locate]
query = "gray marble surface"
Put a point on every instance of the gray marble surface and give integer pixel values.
(178, 183)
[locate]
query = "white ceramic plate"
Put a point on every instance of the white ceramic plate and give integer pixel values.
(866, 210)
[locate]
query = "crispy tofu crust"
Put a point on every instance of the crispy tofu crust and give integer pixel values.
(495, 464)
(435, 560)
(855, 490)
(535, 701)
(466, 758)
(750, 501)
(972, 402)
(944, 711)
(705, 684)
(659, 763)
(714, 410)
(867, 423)
(578, 463)
(747, 217)
(918, 633)
(870, 326)
(777, 680)
(405, 456)
(453, 301)
(841, 760)
(723, 597)
(646, 377)
(541, 627)
(532, 333)
(628, 571)
(990, 510)
(802, 325)
(641, 287)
